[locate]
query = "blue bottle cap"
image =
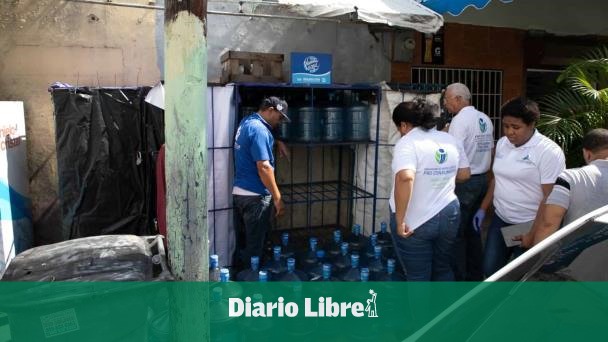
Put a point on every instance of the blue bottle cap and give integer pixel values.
(263, 276)
(320, 254)
(337, 236)
(354, 260)
(344, 248)
(276, 252)
(285, 239)
(390, 266)
(377, 251)
(255, 262)
(214, 261)
(313, 243)
(224, 275)
(291, 264)
(365, 274)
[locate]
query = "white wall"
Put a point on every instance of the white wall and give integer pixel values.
(357, 56)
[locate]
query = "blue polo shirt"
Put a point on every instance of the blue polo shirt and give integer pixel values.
(253, 142)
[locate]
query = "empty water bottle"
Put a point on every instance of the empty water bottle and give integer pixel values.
(373, 242)
(224, 275)
(342, 262)
(365, 274)
(357, 241)
(333, 248)
(317, 270)
(375, 265)
(252, 273)
(287, 250)
(327, 276)
(214, 268)
(390, 274)
(292, 274)
(309, 259)
(354, 274)
(275, 267)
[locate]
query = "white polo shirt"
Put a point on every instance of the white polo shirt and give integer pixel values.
(476, 132)
(435, 157)
(519, 173)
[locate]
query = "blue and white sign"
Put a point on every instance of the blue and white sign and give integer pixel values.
(310, 68)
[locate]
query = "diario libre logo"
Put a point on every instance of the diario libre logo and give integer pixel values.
(441, 156)
(311, 64)
(322, 307)
(483, 126)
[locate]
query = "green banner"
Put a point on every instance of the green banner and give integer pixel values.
(310, 311)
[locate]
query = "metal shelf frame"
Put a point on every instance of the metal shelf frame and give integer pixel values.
(341, 189)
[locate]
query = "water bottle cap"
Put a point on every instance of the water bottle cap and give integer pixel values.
(263, 275)
(320, 254)
(365, 274)
(313, 243)
(344, 248)
(285, 239)
(337, 235)
(354, 260)
(291, 264)
(357, 229)
(215, 260)
(383, 227)
(276, 252)
(255, 262)
(377, 250)
(224, 274)
(327, 267)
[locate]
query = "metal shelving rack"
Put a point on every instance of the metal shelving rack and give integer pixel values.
(343, 190)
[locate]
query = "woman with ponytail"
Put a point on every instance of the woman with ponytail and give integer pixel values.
(425, 213)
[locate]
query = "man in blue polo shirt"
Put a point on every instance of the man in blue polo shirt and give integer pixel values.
(255, 191)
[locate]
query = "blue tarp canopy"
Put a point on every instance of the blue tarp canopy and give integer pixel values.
(456, 7)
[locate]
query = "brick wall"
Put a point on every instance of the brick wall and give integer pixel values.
(476, 47)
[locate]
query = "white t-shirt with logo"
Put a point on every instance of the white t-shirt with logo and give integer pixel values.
(519, 173)
(435, 157)
(476, 132)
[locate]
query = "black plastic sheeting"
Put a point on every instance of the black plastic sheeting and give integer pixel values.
(106, 142)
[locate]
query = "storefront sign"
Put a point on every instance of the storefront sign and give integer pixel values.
(310, 68)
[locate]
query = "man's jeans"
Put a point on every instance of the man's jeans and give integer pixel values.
(252, 223)
(427, 254)
(467, 263)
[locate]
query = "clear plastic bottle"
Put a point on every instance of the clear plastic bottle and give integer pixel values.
(327, 276)
(389, 274)
(252, 273)
(224, 275)
(365, 274)
(262, 276)
(275, 267)
(292, 274)
(317, 271)
(375, 265)
(333, 248)
(342, 262)
(309, 260)
(354, 274)
(356, 240)
(287, 250)
(214, 268)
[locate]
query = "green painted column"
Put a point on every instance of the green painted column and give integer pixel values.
(185, 135)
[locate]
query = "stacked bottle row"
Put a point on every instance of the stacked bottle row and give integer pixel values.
(357, 259)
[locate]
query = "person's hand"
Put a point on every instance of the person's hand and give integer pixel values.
(478, 219)
(283, 150)
(403, 230)
(527, 240)
(279, 207)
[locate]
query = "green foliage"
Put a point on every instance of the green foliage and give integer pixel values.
(579, 105)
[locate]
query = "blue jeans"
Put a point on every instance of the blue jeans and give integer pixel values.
(496, 253)
(252, 222)
(428, 253)
(467, 263)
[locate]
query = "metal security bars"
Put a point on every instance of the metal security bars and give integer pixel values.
(485, 86)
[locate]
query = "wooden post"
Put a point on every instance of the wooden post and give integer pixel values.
(185, 132)
(186, 165)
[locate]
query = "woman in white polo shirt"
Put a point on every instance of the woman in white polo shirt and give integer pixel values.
(526, 165)
(425, 214)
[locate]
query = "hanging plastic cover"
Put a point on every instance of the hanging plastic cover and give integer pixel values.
(102, 161)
